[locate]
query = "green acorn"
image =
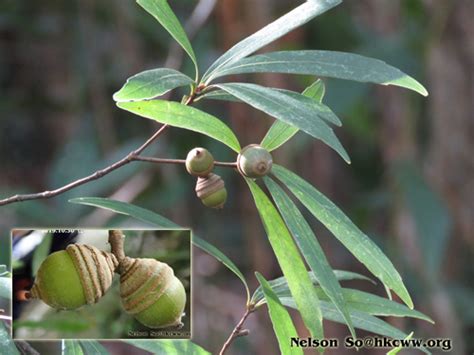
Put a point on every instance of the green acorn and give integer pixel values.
(151, 292)
(72, 278)
(254, 161)
(211, 190)
(199, 162)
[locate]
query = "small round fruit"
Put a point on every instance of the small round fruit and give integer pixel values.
(199, 162)
(152, 293)
(72, 278)
(254, 161)
(211, 190)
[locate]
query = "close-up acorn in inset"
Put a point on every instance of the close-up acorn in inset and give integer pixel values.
(72, 278)
(149, 289)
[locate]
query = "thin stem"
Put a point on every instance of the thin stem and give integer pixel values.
(181, 161)
(237, 332)
(116, 241)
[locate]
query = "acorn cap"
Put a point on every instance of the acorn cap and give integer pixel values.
(211, 190)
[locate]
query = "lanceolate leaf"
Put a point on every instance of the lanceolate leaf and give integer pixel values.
(361, 246)
(338, 65)
(169, 347)
(126, 209)
(354, 300)
(281, 132)
(295, 18)
(361, 320)
(376, 305)
(289, 109)
(182, 116)
(290, 261)
(154, 219)
(162, 12)
(281, 320)
(310, 248)
(150, 84)
(280, 286)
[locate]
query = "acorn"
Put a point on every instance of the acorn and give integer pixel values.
(151, 292)
(254, 161)
(149, 289)
(71, 278)
(199, 162)
(211, 190)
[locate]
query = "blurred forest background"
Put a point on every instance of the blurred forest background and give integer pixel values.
(410, 185)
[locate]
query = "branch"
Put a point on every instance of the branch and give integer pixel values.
(199, 16)
(237, 332)
(94, 176)
(181, 161)
(130, 157)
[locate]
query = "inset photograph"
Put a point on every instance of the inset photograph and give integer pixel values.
(101, 284)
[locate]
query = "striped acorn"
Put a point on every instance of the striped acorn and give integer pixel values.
(199, 162)
(71, 278)
(151, 292)
(254, 161)
(211, 190)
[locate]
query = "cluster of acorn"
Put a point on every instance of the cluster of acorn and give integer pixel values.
(253, 161)
(82, 274)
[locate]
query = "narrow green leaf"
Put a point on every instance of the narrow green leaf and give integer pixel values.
(71, 347)
(93, 347)
(330, 64)
(361, 246)
(216, 253)
(291, 110)
(41, 252)
(151, 84)
(310, 248)
(220, 95)
(293, 19)
(281, 132)
(7, 346)
(6, 287)
(157, 220)
(399, 348)
(168, 347)
(282, 324)
(360, 301)
(280, 286)
(126, 209)
(162, 12)
(182, 116)
(290, 261)
(361, 320)
(377, 306)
